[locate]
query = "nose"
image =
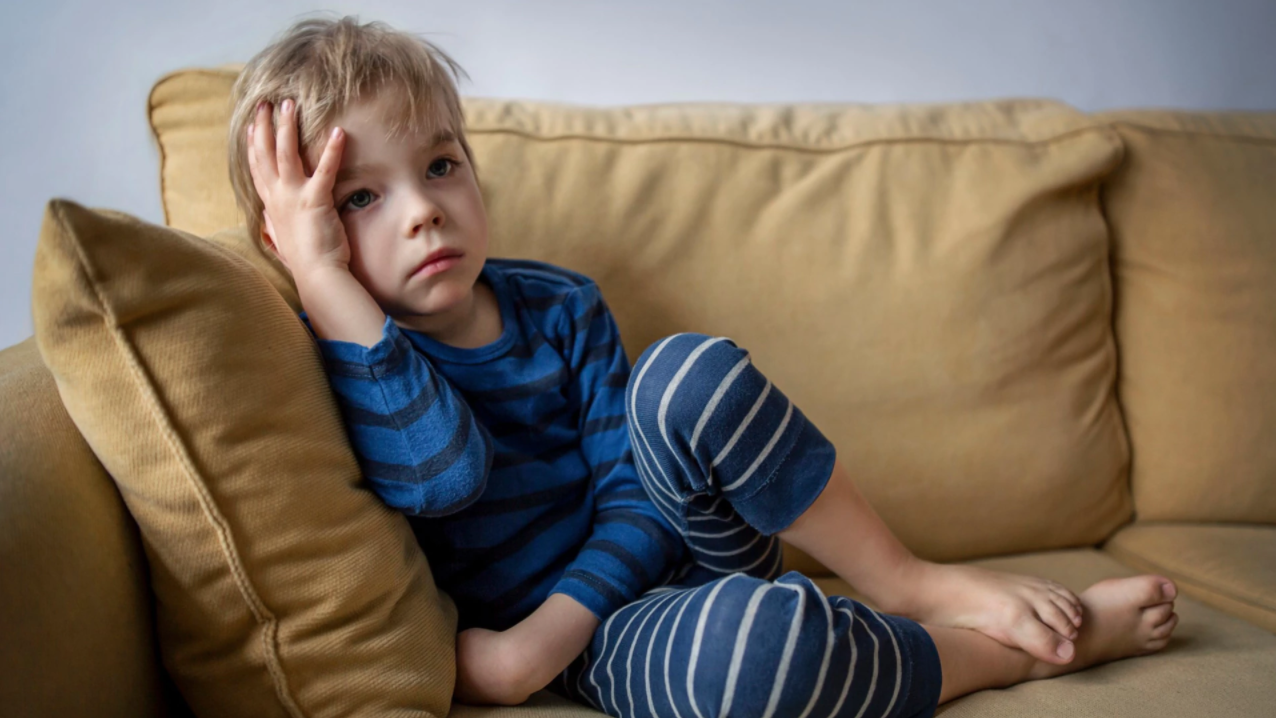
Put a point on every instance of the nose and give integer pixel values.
(425, 213)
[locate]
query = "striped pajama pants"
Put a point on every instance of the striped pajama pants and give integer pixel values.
(730, 461)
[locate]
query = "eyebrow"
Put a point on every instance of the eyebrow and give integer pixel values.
(353, 171)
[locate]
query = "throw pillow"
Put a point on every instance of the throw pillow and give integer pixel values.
(283, 586)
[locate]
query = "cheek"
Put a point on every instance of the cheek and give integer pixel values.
(366, 263)
(476, 214)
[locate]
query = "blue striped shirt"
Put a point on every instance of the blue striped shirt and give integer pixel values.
(511, 460)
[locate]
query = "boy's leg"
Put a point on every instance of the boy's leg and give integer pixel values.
(1035, 614)
(740, 645)
(707, 460)
(711, 433)
(723, 453)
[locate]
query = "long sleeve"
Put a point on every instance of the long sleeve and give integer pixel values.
(632, 547)
(419, 445)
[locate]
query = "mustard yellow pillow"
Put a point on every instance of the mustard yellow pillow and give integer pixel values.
(283, 587)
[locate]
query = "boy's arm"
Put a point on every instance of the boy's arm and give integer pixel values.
(339, 308)
(507, 667)
(419, 445)
(632, 546)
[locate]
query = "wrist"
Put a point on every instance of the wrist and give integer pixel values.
(317, 272)
(549, 639)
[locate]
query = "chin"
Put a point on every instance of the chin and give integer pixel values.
(441, 297)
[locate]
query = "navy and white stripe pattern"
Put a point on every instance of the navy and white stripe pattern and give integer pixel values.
(512, 460)
(730, 461)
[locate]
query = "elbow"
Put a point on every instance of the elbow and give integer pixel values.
(435, 486)
(430, 499)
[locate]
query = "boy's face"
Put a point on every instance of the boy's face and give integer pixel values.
(399, 200)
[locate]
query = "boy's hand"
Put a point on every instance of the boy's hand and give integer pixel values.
(301, 220)
(506, 667)
(490, 668)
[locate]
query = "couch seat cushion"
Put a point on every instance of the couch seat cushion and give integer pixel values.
(1215, 664)
(1229, 566)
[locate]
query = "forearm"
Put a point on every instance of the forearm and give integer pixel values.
(431, 462)
(338, 306)
(552, 637)
(842, 531)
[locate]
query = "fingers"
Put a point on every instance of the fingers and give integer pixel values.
(252, 160)
(326, 171)
(263, 143)
(286, 152)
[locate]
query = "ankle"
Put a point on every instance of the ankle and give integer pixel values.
(908, 595)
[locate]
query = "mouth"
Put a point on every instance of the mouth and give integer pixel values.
(437, 259)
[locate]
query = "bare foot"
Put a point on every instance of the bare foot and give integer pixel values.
(1034, 614)
(1123, 617)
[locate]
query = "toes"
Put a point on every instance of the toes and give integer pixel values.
(1158, 614)
(1157, 644)
(1071, 604)
(1164, 630)
(1153, 589)
(1041, 642)
(1052, 614)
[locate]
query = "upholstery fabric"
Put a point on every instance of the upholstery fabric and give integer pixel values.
(71, 562)
(283, 587)
(917, 278)
(1193, 222)
(1229, 566)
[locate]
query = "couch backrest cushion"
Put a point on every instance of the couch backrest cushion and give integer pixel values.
(283, 586)
(1193, 218)
(928, 282)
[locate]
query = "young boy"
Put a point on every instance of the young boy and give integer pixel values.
(608, 533)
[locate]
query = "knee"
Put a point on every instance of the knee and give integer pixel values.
(689, 367)
(763, 617)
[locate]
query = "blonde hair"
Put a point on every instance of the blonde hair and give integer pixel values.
(326, 65)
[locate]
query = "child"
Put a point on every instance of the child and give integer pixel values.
(612, 535)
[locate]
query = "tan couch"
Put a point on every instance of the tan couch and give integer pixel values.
(1044, 341)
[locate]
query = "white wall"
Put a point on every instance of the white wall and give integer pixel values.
(76, 74)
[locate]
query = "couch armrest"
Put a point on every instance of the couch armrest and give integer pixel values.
(75, 603)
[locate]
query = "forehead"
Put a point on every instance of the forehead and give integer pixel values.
(389, 118)
(353, 167)
(382, 125)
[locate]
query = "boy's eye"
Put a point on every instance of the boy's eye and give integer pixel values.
(440, 167)
(351, 199)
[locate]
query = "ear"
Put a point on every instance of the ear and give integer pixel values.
(268, 238)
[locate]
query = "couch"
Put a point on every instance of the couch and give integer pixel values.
(1044, 341)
